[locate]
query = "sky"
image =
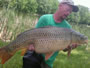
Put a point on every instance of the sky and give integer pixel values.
(82, 2)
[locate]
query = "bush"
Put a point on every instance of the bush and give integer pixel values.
(26, 6)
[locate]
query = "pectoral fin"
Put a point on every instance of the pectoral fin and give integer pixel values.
(23, 51)
(48, 55)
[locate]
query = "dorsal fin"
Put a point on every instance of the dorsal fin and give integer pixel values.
(33, 29)
(24, 32)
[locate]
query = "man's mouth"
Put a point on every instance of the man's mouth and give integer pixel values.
(65, 16)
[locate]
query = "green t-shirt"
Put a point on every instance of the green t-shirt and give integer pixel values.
(48, 20)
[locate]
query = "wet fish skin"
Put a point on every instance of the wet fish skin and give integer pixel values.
(45, 40)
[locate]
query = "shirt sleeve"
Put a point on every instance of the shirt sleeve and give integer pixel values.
(67, 25)
(42, 22)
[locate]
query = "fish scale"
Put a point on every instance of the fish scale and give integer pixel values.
(45, 40)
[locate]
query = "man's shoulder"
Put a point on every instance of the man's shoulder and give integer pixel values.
(67, 24)
(65, 20)
(47, 15)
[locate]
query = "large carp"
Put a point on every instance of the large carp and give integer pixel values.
(46, 40)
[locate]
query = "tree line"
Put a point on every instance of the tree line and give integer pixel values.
(41, 7)
(31, 6)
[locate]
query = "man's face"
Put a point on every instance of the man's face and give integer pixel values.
(64, 10)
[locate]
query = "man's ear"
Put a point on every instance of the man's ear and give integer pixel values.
(60, 5)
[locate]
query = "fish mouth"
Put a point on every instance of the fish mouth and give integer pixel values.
(83, 42)
(86, 41)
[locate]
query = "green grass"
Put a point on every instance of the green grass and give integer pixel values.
(79, 58)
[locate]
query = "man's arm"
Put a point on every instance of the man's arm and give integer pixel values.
(42, 22)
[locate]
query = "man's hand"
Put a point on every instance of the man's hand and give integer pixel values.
(31, 47)
(70, 47)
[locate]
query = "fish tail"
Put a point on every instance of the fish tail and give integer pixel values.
(4, 55)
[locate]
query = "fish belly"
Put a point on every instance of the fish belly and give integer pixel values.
(50, 45)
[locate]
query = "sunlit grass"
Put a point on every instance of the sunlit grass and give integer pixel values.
(79, 58)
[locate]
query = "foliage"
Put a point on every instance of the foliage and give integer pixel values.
(84, 14)
(47, 6)
(26, 6)
(74, 17)
(31, 6)
(11, 24)
(81, 17)
(4, 3)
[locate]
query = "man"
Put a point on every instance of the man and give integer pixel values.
(34, 60)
